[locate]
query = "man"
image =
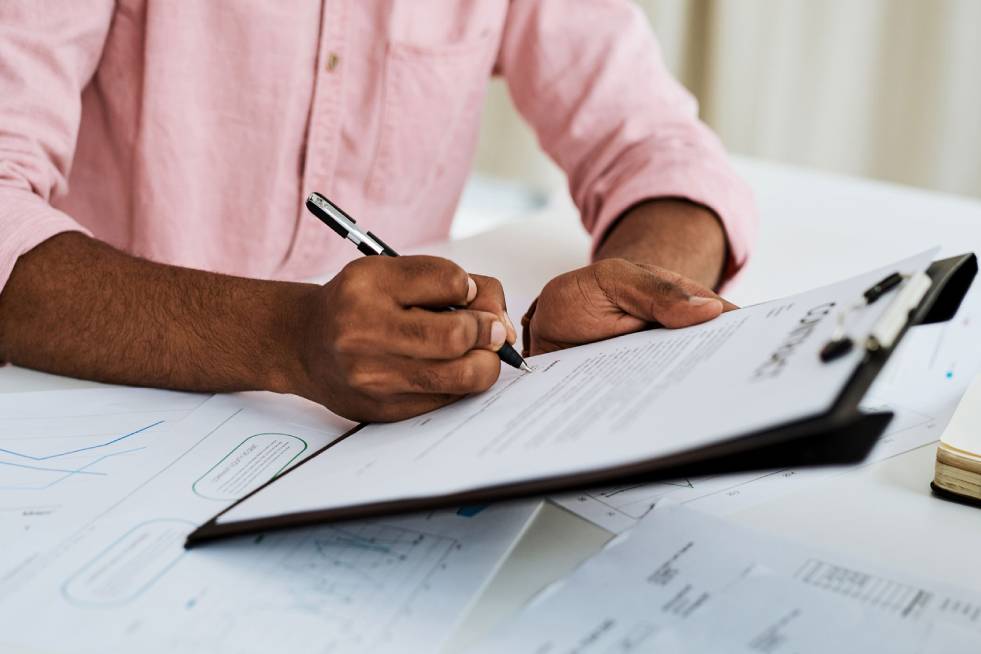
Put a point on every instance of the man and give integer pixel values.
(151, 148)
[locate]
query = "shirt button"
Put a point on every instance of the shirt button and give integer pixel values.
(332, 61)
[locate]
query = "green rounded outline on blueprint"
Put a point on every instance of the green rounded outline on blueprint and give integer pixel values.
(194, 486)
(86, 604)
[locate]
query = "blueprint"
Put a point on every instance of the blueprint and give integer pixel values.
(66, 456)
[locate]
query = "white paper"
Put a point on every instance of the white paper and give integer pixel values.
(922, 384)
(66, 456)
(122, 582)
(612, 403)
(964, 429)
(683, 581)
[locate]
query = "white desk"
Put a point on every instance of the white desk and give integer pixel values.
(815, 227)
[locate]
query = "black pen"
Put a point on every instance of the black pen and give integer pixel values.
(369, 244)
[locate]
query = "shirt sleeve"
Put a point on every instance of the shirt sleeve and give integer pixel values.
(592, 83)
(48, 52)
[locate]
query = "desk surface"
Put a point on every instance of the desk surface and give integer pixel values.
(815, 227)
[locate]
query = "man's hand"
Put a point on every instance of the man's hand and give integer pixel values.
(362, 345)
(611, 298)
(373, 348)
(654, 267)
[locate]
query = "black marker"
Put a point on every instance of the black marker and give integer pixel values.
(369, 244)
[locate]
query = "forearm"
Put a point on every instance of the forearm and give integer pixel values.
(75, 306)
(676, 234)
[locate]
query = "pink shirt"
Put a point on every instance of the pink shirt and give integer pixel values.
(190, 132)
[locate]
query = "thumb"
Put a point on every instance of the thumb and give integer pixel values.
(658, 295)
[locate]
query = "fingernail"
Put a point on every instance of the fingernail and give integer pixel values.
(699, 301)
(471, 289)
(498, 334)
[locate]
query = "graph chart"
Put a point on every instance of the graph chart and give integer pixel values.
(77, 449)
(29, 461)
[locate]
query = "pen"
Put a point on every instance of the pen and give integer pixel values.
(369, 244)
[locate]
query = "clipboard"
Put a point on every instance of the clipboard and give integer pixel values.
(843, 434)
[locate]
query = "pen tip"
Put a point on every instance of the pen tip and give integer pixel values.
(525, 367)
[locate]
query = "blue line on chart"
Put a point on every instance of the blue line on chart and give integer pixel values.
(83, 449)
(69, 473)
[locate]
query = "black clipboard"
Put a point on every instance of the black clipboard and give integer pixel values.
(842, 435)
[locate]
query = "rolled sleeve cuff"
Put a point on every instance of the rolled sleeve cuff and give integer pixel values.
(25, 222)
(715, 187)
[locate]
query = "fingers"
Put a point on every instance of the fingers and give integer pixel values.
(373, 349)
(490, 298)
(422, 334)
(446, 335)
(390, 378)
(376, 310)
(422, 281)
(695, 288)
(728, 306)
(432, 282)
(657, 295)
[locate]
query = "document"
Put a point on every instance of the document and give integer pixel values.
(123, 582)
(682, 581)
(921, 384)
(632, 399)
(66, 456)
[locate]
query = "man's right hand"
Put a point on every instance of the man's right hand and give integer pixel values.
(374, 346)
(365, 345)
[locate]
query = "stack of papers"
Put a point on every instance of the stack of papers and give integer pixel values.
(99, 488)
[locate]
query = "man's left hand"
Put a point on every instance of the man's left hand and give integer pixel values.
(613, 297)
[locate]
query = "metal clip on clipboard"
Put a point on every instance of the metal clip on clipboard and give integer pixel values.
(884, 333)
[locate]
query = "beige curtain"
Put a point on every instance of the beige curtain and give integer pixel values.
(881, 88)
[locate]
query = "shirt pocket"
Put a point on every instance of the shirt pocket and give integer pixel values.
(431, 103)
